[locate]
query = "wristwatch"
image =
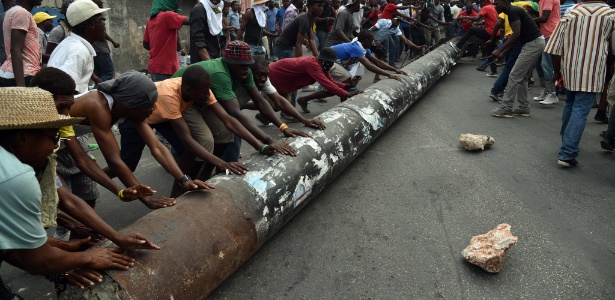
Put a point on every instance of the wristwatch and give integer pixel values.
(183, 180)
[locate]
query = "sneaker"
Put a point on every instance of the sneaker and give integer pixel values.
(606, 145)
(549, 99)
(530, 82)
(493, 74)
(65, 236)
(568, 163)
(304, 105)
(522, 112)
(502, 112)
(541, 97)
(263, 119)
(309, 88)
(481, 68)
(495, 97)
(601, 117)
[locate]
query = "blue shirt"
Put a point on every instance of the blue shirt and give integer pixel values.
(271, 17)
(280, 16)
(234, 20)
(348, 53)
(20, 205)
(385, 30)
(566, 5)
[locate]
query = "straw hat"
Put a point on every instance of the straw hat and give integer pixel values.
(30, 108)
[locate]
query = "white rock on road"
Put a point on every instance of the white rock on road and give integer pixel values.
(489, 250)
(475, 142)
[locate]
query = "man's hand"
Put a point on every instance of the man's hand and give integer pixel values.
(196, 184)
(135, 241)
(76, 245)
(400, 71)
(234, 167)
(391, 76)
(289, 132)
(496, 54)
(137, 192)
(315, 124)
(116, 44)
(282, 148)
(108, 258)
(83, 277)
(378, 44)
(80, 231)
(556, 76)
(156, 203)
(355, 80)
(96, 79)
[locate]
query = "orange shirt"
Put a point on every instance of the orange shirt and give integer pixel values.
(170, 104)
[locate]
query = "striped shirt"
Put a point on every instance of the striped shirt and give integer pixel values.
(582, 38)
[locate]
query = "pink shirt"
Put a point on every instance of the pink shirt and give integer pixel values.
(21, 19)
(546, 29)
(161, 34)
(291, 74)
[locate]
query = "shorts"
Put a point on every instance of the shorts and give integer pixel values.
(74, 180)
(339, 73)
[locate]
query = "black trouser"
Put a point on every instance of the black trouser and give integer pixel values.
(482, 34)
(4, 82)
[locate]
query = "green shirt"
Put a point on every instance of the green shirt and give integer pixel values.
(222, 84)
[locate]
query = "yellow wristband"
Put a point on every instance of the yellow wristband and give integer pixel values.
(283, 127)
(120, 195)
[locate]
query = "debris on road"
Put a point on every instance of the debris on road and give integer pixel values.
(475, 142)
(488, 250)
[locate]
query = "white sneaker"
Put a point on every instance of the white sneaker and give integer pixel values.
(64, 236)
(549, 99)
(541, 97)
(309, 88)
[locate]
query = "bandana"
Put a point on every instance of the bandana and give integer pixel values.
(132, 89)
(214, 16)
(163, 5)
(259, 12)
(326, 65)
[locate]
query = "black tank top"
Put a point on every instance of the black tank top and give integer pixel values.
(254, 33)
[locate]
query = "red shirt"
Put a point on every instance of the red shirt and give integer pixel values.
(491, 17)
(290, 74)
(466, 24)
(389, 10)
(161, 34)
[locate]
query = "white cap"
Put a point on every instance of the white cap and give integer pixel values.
(81, 10)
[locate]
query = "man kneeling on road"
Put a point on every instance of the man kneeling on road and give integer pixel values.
(28, 136)
(227, 74)
(350, 57)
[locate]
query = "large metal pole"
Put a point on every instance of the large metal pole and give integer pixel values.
(208, 235)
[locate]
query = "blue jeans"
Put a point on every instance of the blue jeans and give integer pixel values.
(103, 66)
(132, 143)
(547, 69)
(159, 77)
(257, 50)
(389, 47)
(231, 153)
(578, 105)
(500, 84)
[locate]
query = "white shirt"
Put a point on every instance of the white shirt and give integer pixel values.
(455, 11)
(75, 56)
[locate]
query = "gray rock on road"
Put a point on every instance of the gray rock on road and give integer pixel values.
(475, 142)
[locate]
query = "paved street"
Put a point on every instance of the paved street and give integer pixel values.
(393, 225)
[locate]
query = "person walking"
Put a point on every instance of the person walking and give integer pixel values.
(581, 63)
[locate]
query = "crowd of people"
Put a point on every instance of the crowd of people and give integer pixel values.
(238, 60)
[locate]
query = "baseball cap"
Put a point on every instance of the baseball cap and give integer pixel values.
(41, 16)
(238, 53)
(81, 10)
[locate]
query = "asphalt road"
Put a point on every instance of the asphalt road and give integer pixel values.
(393, 225)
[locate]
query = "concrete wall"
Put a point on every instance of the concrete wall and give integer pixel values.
(126, 23)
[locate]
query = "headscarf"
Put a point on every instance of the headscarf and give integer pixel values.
(326, 65)
(132, 89)
(259, 13)
(164, 5)
(214, 16)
